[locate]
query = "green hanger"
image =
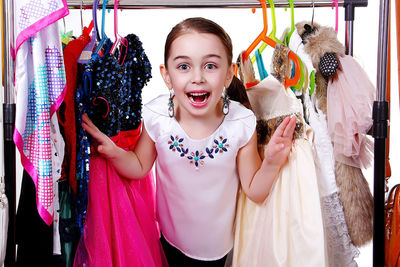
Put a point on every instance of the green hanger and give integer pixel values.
(272, 33)
(292, 26)
(300, 83)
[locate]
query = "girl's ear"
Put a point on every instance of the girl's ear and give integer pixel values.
(229, 75)
(165, 75)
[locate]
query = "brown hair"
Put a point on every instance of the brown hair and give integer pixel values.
(200, 25)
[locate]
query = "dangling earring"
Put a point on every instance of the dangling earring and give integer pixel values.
(171, 111)
(225, 103)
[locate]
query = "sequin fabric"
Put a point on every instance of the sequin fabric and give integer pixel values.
(111, 95)
(115, 98)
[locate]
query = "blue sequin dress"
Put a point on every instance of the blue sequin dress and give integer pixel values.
(115, 97)
(119, 224)
(111, 95)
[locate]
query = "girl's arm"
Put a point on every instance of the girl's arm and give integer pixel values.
(130, 164)
(256, 176)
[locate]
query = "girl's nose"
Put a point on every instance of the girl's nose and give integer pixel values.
(197, 76)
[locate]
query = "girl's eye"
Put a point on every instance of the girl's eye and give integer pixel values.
(183, 67)
(210, 66)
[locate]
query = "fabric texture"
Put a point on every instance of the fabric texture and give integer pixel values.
(66, 112)
(115, 96)
(328, 65)
(339, 247)
(349, 109)
(119, 224)
(40, 83)
(177, 259)
(33, 236)
(288, 224)
(31, 16)
(197, 180)
(120, 229)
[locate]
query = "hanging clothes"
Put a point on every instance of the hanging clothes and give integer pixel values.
(349, 108)
(339, 247)
(321, 42)
(66, 112)
(288, 224)
(68, 229)
(31, 245)
(33, 236)
(40, 83)
(120, 227)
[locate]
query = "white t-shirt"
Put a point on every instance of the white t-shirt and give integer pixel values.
(197, 180)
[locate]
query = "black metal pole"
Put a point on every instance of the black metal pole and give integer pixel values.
(349, 7)
(380, 128)
(8, 126)
(9, 171)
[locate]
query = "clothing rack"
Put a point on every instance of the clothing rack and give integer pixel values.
(380, 109)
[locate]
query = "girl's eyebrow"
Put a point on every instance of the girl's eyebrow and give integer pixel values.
(212, 55)
(187, 57)
(180, 57)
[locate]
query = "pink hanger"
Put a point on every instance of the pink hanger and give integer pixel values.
(119, 40)
(336, 5)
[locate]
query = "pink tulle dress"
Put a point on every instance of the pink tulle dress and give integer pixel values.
(349, 106)
(120, 228)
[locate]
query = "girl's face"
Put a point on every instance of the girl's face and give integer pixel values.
(198, 70)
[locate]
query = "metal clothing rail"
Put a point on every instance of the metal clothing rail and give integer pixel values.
(380, 111)
(127, 4)
(348, 5)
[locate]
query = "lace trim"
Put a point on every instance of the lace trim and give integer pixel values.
(341, 251)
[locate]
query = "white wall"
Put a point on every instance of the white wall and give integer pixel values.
(243, 26)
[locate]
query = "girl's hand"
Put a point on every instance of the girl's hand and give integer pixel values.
(278, 148)
(100, 141)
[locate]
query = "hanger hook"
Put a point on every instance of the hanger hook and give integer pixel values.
(312, 17)
(65, 27)
(81, 15)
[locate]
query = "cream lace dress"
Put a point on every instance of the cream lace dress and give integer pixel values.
(287, 228)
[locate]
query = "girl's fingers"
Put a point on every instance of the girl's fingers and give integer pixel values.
(280, 130)
(85, 119)
(90, 128)
(289, 129)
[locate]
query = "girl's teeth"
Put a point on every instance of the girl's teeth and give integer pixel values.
(198, 97)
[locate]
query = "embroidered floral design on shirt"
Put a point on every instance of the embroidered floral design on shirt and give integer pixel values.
(175, 144)
(197, 158)
(221, 145)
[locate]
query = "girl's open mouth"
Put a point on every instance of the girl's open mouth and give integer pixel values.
(198, 99)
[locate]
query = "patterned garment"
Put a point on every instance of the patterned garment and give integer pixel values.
(115, 96)
(33, 15)
(40, 82)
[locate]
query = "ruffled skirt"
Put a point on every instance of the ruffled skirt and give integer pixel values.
(349, 110)
(120, 228)
(286, 229)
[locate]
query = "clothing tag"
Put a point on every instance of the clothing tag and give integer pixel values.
(85, 56)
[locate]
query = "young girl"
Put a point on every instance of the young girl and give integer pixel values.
(203, 146)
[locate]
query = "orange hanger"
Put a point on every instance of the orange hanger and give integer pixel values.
(263, 37)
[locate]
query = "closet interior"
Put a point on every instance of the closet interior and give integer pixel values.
(380, 107)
